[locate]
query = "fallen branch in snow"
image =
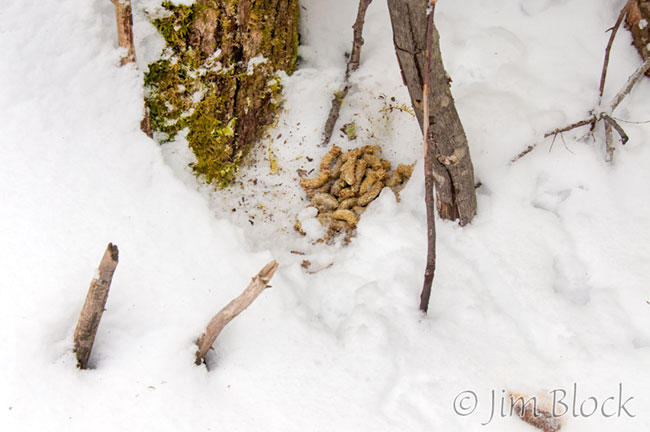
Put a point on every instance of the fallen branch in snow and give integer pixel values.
(601, 113)
(353, 64)
(124, 21)
(234, 308)
(93, 308)
(428, 173)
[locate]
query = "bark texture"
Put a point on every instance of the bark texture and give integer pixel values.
(234, 308)
(93, 308)
(219, 76)
(452, 165)
(638, 22)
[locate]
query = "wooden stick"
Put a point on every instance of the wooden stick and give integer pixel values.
(124, 21)
(234, 308)
(428, 174)
(93, 308)
(614, 29)
(609, 143)
(353, 65)
(571, 126)
(631, 82)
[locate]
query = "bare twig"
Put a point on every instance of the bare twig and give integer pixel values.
(234, 308)
(570, 127)
(631, 82)
(609, 143)
(605, 115)
(428, 173)
(353, 65)
(617, 127)
(93, 308)
(614, 30)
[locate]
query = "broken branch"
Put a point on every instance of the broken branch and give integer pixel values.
(234, 308)
(93, 308)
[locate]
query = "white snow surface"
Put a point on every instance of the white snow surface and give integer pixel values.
(547, 287)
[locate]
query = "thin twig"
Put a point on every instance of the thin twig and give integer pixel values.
(353, 65)
(617, 127)
(428, 172)
(571, 127)
(614, 30)
(609, 143)
(631, 82)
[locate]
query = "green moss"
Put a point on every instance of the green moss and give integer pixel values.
(350, 129)
(216, 96)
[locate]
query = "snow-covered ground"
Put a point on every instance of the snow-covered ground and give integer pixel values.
(546, 288)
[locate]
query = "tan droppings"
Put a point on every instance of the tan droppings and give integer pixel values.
(347, 183)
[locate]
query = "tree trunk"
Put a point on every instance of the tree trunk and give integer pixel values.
(220, 78)
(452, 165)
(638, 22)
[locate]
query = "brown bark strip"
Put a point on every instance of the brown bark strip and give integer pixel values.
(93, 308)
(452, 170)
(353, 65)
(234, 308)
(124, 21)
(428, 175)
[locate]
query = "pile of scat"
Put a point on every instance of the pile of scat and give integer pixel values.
(347, 183)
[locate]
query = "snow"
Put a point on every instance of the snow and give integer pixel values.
(547, 287)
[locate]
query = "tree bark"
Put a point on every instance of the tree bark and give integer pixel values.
(93, 308)
(234, 308)
(453, 169)
(221, 80)
(637, 21)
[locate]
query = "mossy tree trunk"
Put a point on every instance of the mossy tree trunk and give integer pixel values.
(219, 76)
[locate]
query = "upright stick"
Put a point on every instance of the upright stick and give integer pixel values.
(234, 308)
(93, 308)
(428, 174)
(353, 64)
(124, 21)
